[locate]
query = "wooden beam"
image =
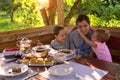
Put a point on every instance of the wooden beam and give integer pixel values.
(60, 10)
(44, 16)
(71, 12)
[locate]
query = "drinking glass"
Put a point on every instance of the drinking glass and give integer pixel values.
(18, 56)
(77, 53)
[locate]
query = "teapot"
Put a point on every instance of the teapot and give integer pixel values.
(24, 43)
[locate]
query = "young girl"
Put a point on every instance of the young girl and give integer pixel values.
(98, 44)
(60, 37)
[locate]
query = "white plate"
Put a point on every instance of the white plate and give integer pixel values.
(68, 56)
(72, 52)
(40, 48)
(6, 70)
(60, 70)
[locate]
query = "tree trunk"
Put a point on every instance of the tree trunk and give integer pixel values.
(12, 14)
(44, 16)
(11, 17)
(71, 13)
(52, 11)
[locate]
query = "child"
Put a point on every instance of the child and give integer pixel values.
(60, 37)
(99, 37)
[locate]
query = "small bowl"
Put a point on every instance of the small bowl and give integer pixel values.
(60, 57)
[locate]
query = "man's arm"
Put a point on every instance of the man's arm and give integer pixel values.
(87, 40)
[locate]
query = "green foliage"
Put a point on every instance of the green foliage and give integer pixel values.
(25, 12)
(69, 2)
(26, 15)
(5, 5)
(101, 12)
(90, 6)
(95, 21)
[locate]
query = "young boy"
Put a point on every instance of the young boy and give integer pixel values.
(60, 37)
(98, 44)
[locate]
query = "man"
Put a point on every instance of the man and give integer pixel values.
(75, 39)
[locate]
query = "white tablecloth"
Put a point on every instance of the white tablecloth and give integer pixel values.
(80, 72)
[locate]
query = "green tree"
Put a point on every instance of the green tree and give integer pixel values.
(103, 12)
(9, 7)
(30, 13)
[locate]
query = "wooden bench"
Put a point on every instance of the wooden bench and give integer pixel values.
(44, 34)
(114, 46)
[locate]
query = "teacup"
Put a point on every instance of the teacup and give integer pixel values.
(60, 57)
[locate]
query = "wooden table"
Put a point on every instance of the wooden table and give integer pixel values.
(92, 62)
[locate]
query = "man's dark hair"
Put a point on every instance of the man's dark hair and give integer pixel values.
(82, 17)
(57, 29)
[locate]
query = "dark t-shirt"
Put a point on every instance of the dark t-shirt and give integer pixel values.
(75, 41)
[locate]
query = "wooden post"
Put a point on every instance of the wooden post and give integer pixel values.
(60, 10)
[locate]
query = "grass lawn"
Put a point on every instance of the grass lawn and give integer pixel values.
(6, 25)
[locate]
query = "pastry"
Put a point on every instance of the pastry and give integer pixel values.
(40, 61)
(48, 60)
(65, 51)
(16, 69)
(29, 56)
(25, 61)
(33, 60)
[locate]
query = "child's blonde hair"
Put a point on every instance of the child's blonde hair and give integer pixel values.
(103, 35)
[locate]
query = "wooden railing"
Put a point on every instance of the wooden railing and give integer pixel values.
(44, 34)
(9, 39)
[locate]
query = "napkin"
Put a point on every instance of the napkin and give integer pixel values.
(23, 76)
